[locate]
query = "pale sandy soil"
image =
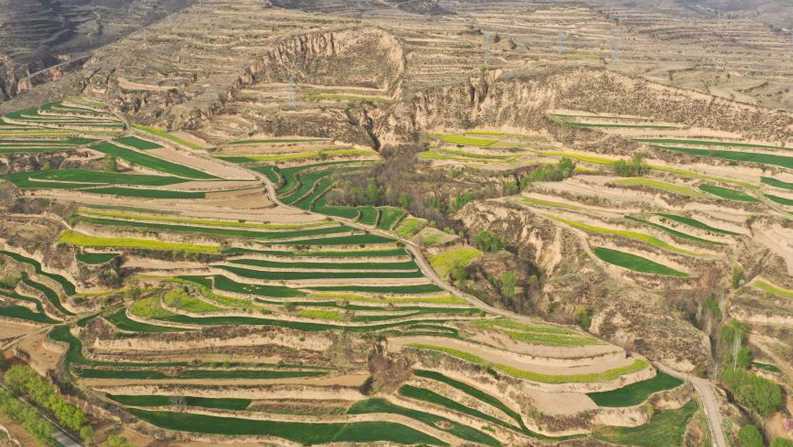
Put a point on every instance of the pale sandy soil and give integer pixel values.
(42, 358)
(346, 380)
(356, 260)
(309, 270)
(541, 365)
(193, 208)
(17, 432)
(13, 328)
(260, 393)
(159, 264)
(190, 138)
(129, 85)
(581, 207)
(719, 216)
(327, 281)
(212, 185)
(502, 341)
(206, 164)
(561, 403)
(777, 239)
(595, 187)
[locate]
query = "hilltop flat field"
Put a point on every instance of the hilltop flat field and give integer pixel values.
(401, 223)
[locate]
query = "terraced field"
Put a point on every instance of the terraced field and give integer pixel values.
(407, 222)
(307, 315)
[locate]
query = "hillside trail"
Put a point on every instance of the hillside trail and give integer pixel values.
(703, 387)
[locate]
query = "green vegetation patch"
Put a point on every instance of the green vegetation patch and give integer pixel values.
(410, 226)
(780, 200)
(751, 157)
(665, 428)
(190, 401)
(148, 161)
(299, 432)
(471, 391)
(696, 224)
(292, 275)
(605, 376)
(461, 431)
(390, 217)
(660, 186)
(66, 285)
(448, 261)
(75, 238)
(636, 263)
(23, 313)
(776, 183)
(539, 334)
(635, 393)
(124, 323)
(464, 140)
(726, 193)
(627, 234)
(768, 287)
(95, 258)
(138, 143)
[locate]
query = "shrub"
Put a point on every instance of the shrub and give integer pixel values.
(507, 283)
(632, 168)
(750, 436)
(583, 318)
(550, 173)
(759, 395)
(487, 241)
(782, 442)
(116, 441)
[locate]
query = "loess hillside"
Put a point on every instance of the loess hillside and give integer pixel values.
(385, 222)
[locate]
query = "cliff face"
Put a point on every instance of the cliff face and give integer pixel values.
(498, 99)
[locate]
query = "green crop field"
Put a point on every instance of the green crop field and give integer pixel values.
(162, 401)
(635, 393)
(612, 374)
(726, 193)
(216, 231)
(749, 157)
(701, 142)
(448, 260)
(776, 183)
(768, 287)
(75, 238)
(298, 432)
(48, 293)
(660, 186)
(66, 285)
(124, 323)
(461, 431)
(95, 258)
(390, 217)
(425, 395)
(148, 161)
(673, 232)
(463, 140)
(86, 178)
(538, 334)
(780, 200)
(635, 263)
(291, 275)
(666, 428)
(164, 134)
(23, 313)
(408, 265)
(146, 193)
(473, 392)
(696, 224)
(627, 234)
(138, 143)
